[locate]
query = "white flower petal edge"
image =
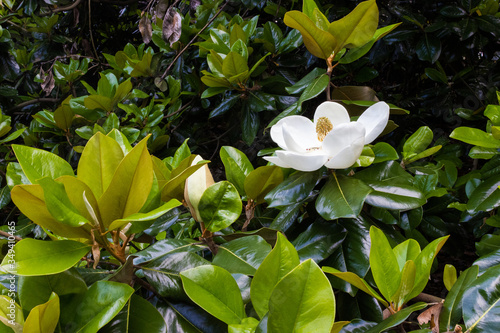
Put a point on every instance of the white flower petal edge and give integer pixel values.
(335, 112)
(276, 161)
(344, 145)
(298, 126)
(303, 162)
(374, 119)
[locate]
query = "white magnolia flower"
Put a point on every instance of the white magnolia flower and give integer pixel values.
(332, 139)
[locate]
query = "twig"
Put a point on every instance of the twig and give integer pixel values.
(6, 234)
(423, 297)
(90, 31)
(192, 41)
(34, 101)
(61, 9)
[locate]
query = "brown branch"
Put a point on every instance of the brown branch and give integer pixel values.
(34, 101)
(6, 234)
(192, 41)
(422, 297)
(61, 9)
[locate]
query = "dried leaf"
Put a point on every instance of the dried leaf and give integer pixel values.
(172, 26)
(431, 316)
(146, 28)
(193, 4)
(76, 17)
(96, 250)
(161, 8)
(48, 81)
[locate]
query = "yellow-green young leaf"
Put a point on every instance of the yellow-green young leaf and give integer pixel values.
(383, 263)
(76, 190)
(11, 314)
(356, 28)
(130, 186)
(338, 325)
(98, 162)
(408, 250)
(237, 33)
(214, 82)
(319, 42)
(302, 302)
(355, 281)
(475, 136)
(44, 317)
(98, 102)
(36, 257)
(123, 89)
(449, 276)
(261, 181)
(121, 139)
(233, 65)
(30, 201)
(406, 285)
(174, 188)
(214, 61)
(278, 263)
(38, 163)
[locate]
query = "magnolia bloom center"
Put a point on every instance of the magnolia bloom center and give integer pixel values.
(323, 127)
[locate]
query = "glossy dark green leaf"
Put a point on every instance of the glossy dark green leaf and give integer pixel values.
(489, 243)
(243, 255)
(451, 313)
(397, 197)
(224, 106)
(384, 152)
(36, 290)
(428, 48)
(186, 317)
(279, 262)
(319, 241)
(237, 167)
(396, 318)
(249, 125)
(342, 197)
(481, 302)
(294, 189)
(220, 205)
(163, 272)
(286, 217)
(36, 257)
(161, 248)
(486, 196)
(302, 301)
(90, 311)
(215, 290)
(452, 11)
(306, 81)
(136, 316)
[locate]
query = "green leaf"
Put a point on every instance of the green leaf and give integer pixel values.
(384, 265)
(319, 241)
(384, 152)
(261, 181)
(36, 290)
(38, 163)
(59, 205)
(356, 28)
(243, 255)
(294, 189)
(224, 106)
(37, 257)
(99, 102)
(407, 250)
(486, 196)
(319, 42)
(249, 124)
(396, 318)
(302, 301)
(237, 167)
(306, 81)
(278, 263)
(341, 197)
(395, 197)
(418, 141)
(481, 302)
(475, 137)
(130, 186)
(234, 64)
(449, 276)
(98, 162)
(451, 313)
(408, 274)
(215, 290)
(428, 48)
(44, 317)
(138, 315)
(92, 310)
(220, 205)
(355, 281)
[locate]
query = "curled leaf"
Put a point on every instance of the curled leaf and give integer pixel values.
(145, 28)
(171, 29)
(48, 81)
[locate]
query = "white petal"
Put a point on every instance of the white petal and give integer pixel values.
(375, 120)
(303, 162)
(276, 161)
(335, 112)
(297, 125)
(344, 145)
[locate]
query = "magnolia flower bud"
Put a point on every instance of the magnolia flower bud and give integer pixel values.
(196, 184)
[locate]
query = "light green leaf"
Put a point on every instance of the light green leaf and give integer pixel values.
(237, 167)
(302, 302)
(449, 276)
(37, 257)
(234, 64)
(261, 181)
(38, 163)
(408, 274)
(278, 263)
(475, 137)
(220, 206)
(214, 290)
(44, 317)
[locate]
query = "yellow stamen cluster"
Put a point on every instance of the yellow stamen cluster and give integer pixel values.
(323, 127)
